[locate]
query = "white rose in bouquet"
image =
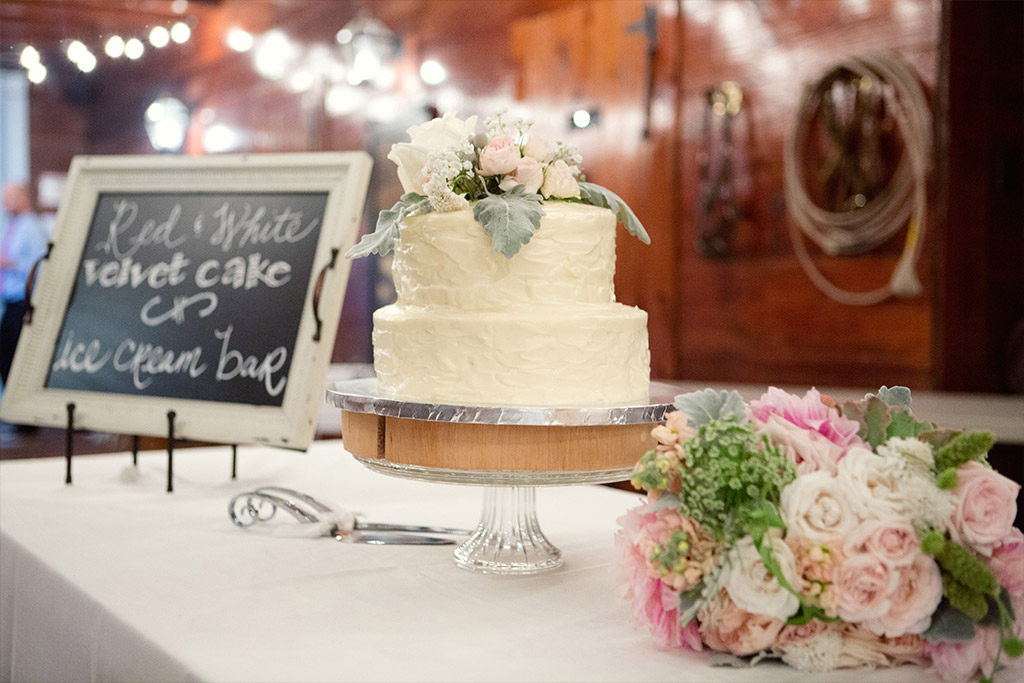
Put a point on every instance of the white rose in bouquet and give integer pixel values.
(818, 507)
(753, 588)
(434, 135)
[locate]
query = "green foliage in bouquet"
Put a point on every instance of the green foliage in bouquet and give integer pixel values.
(730, 478)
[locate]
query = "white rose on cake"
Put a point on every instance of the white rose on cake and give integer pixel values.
(411, 157)
(559, 182)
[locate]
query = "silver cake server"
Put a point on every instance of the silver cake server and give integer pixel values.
(358, 525)
(392, 538)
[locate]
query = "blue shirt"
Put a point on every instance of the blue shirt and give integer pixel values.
(22, 243)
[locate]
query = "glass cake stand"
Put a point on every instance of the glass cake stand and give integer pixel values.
(391, 436)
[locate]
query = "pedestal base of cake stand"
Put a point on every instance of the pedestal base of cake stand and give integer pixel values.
(510, 451)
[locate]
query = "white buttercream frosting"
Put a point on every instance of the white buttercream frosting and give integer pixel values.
(471, 327)
(446, 259)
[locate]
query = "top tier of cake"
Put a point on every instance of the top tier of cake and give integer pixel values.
(441, 260)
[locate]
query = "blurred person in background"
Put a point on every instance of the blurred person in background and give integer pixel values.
(21, 244)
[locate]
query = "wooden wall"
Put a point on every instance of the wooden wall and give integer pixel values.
(751, 317)
(754, 316)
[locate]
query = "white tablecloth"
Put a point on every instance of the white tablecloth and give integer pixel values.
(107, 580)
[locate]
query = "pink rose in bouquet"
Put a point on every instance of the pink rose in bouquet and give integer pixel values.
(1007, 563)
(985, 505)
(726, 627)
(914, 599)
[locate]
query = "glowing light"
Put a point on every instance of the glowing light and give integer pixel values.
(133, 49)
(180, 32)
(155, 111)
(159, 37)
(581, 118)
(433, 72)
(114, 47)
(37, 73)
(220, 138)
(342, 100)
(29, 57)
(365, 67)
(274, 55)
(75, 50)
(239, 40)
(179, 6)
(301, 81)
(166, 122)
(87, 62)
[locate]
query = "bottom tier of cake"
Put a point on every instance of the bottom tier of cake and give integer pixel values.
(594, 355)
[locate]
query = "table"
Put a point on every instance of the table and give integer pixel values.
(115, 580)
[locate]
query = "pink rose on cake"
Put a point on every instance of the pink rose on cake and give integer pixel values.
(528, 173)
(499, 157)
(985, 506)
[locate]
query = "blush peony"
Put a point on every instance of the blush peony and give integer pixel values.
(863, 585)
(916, 597)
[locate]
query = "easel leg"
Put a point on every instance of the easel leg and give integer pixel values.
(69, 437)
(170, 451)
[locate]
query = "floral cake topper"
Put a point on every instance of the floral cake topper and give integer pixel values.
(826, 534)
(504, 173)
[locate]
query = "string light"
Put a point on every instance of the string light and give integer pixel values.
(114, 47)
(29, 57)
(76, 49)
(180, 32)
(37, 73)
(239, 40)
(133, 49)
(159, 37)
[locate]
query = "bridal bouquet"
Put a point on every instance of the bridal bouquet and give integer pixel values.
(826, 535)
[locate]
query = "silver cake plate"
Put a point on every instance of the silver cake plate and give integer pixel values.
(508, 538)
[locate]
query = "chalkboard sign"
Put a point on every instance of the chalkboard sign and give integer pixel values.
(208, 286)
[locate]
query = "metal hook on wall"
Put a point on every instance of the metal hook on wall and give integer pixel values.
(718, 209)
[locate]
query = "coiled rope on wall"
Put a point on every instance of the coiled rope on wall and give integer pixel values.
(902, 202)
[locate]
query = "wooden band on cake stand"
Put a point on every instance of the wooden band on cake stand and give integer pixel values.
(509, 450)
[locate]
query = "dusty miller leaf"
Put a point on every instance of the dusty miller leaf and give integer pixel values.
(701, 407)
(905, 426)
(389, 223)
(895, 396)
(510, 219)
(949, 625)
(606, 199)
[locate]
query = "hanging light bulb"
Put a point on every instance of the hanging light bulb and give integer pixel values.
(75, 50)
(367, 45)
(166, 121)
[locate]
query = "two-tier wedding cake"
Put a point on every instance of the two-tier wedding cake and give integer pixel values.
(504, 264)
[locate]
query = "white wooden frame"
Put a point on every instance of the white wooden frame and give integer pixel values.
(343, 175)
